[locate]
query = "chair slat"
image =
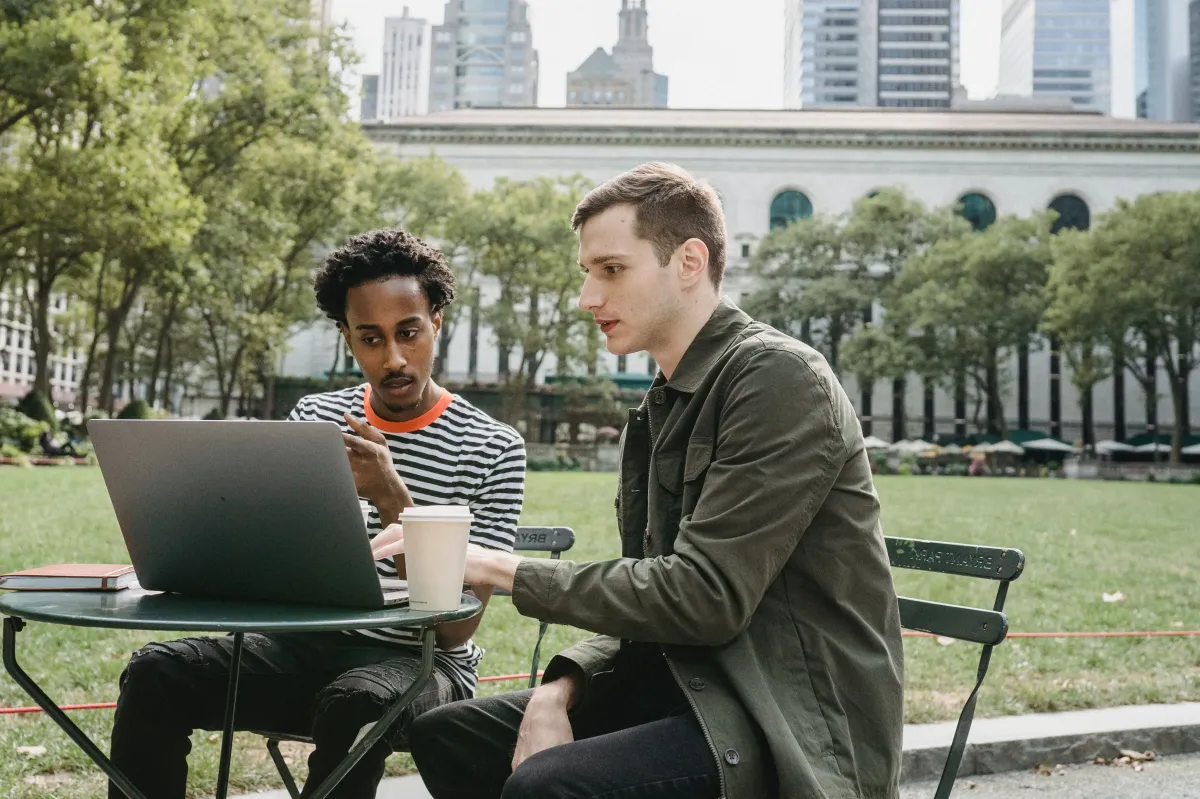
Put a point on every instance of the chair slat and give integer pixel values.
(967, 560)
(544, 539)
(953, 621)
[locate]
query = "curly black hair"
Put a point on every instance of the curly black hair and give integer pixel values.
(379, 255)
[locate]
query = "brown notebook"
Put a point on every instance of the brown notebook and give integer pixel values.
(71, 577)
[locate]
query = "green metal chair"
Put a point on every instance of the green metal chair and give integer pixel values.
(976, 625)
(554, 540)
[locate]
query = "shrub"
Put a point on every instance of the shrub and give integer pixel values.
(214, 415)
(905, 469)
(138, 409)
(1196, 478)
(37, 405)
(19, 429)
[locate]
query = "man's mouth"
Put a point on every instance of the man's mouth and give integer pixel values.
(606, 325)
(397, 383)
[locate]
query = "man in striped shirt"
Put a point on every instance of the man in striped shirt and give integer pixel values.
(409, 441)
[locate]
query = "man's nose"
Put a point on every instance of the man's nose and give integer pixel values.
(395, 360)
(589, 295)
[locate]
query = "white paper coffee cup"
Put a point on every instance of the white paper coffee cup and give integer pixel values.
(435, 555)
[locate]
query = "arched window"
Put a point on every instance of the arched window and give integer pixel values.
(1073, 213)
(978, 210)
(788, 206)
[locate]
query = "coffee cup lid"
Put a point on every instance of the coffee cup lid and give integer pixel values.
(437, 513)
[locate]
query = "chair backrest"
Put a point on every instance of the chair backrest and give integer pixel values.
(554, 540)
(977, 625)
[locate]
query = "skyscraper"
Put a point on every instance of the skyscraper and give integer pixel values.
(369, 107)
(1160, 52)
(1057, 49)
(829, 53)
(918, 53)
(400, 89)
(1194, 29)
(483, 56)
(626, 77)
(322, 12)
(867, 53)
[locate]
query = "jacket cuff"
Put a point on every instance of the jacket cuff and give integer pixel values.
(533, 587)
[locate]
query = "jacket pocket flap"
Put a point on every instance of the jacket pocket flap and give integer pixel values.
(669, 468)
(699, 456)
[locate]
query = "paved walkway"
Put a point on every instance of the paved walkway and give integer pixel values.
(1016, 743)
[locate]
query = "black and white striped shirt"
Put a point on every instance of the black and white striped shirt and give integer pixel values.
(454, 454)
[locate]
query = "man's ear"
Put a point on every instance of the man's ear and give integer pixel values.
(345, 331)
(693, 261)
(436, 318)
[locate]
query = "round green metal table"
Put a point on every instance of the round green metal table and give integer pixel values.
(135, 609)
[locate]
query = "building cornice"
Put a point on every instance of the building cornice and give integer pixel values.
(414, 132)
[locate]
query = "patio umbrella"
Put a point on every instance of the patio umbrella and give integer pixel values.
(952, 449)
(1004, 447)
(1049, 445)
(874, 442)
(1113, 446)
(1194, 449)
(607, 432)
(1153, 447)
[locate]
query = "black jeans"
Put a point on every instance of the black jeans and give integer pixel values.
(324, 685)
(637, 739)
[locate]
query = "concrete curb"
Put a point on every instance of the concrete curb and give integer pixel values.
(1016, 743)
(997, 745)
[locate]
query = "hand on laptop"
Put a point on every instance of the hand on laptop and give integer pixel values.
(485, 567)
(374, 475)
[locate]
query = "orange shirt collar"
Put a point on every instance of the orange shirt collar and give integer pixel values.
(412, 425)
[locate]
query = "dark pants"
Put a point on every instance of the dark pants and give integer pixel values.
(324, 685)
(637, 739)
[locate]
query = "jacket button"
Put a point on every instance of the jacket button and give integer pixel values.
(696, 684)
(659, 399)
(732, 757)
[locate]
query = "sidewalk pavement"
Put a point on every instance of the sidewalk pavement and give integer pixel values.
(1004, 744)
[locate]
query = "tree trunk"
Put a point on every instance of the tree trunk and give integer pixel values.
(164, 333)
(85, 383)
(929, 428)
(169, 379)
(227, 390)
(960, 404)
(112, 334)
(1183, 418)
(41, 341)
(1179, 398)
(995, 403)
(1023, 387)
(899, 411)
(1055, 389)
(1087, 411)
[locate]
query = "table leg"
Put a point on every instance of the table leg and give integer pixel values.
(12, 626)
(428, 643)
(235, 667)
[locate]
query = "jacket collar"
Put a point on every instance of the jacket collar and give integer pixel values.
(722, 329)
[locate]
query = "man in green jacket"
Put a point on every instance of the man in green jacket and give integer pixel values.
(748, 638)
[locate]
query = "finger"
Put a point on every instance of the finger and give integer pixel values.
(364, 429)
(355, 443)
(387, 550)
(393, 533)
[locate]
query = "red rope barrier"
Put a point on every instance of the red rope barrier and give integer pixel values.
(10, 711)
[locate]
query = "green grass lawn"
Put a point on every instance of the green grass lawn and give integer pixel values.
(1081, 539)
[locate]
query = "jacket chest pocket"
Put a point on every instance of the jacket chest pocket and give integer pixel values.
(680, 476)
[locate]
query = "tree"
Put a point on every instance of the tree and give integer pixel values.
(1133, 280)
(521, 237)
(881, 232)
(805, 276)
(973, 299)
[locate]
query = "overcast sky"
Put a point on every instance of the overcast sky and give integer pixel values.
(718, 54)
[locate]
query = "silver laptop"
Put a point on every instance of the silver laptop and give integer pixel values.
(241, 510)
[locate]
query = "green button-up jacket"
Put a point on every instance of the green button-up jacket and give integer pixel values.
(752, 553)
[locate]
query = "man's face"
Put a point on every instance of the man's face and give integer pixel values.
(633, 298)
(392, 334)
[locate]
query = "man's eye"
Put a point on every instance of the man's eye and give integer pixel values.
(369, 339)
(408, 334)
(613, 269)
